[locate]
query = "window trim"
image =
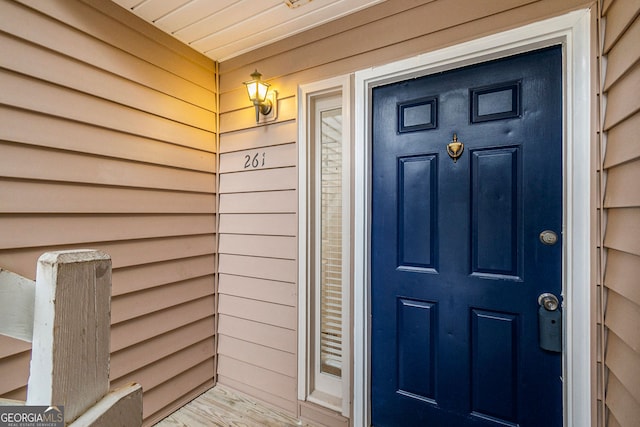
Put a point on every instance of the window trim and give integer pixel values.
(307, 95)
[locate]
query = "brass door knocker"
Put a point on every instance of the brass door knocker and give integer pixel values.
(455, 148)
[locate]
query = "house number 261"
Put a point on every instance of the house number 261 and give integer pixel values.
(255, 161)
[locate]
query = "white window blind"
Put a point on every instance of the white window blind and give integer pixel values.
(330, 169)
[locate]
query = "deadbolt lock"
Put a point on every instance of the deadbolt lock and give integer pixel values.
(548, 237)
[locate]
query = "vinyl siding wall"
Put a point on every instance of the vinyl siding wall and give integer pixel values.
(257, 270)
(621, 127)
(108, 141)
(387, 32)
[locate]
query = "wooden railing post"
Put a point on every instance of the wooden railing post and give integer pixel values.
(70, 355)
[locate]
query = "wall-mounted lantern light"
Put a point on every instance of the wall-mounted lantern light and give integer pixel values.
(263, 100)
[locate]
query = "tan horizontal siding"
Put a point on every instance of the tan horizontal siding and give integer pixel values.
(267, 335)
(623, 230)
(263, 158)
(257, 263)
(108, 133)
(266, 246)
(11, 347)
(622, 272)
(283, 270)
(89, 20)
(85, 78)
(620, 14)
(85, 138)
(239, 118)
(260, 289)
(184, 387)
(624, 362)
(623, 55)
(260, 180)
(622, 101)
(136, 330)
(280, 385)
(619, 150)
(622, 204)
(37, 196)
(22, 230)
(173, 365)
(79, 32)
(621, 403)
(157, 348)
(285, 201)
(622, 318)
(130, 253)
(274, 360)
(149, 276)
(258, 311)
(619, 192)
(15, 367)
(259, 137)
(27, 162)
(43, 97)
(151, 32)
(16, 394)
(158, 298)
(323, 416)
(268, 224)
(612, 422)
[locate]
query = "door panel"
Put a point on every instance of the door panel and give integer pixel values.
(456, 260)
(494, 359)
(494, 211)
(416, 344)
(416, 191)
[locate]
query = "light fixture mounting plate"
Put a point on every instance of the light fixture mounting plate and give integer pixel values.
(272, 97)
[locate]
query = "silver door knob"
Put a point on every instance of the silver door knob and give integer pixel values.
(548, 301)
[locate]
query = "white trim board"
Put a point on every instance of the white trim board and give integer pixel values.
(306, 94)
(572, 30)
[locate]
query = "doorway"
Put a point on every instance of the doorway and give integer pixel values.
(573, 32)
(465, 237)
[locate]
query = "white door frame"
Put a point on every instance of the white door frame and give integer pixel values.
(572, 31)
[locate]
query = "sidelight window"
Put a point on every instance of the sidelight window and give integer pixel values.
(325, 249)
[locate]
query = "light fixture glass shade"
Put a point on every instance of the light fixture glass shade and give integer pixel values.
(256, 88)
(257, 91)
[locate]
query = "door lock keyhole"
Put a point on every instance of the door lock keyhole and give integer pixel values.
(548, 237)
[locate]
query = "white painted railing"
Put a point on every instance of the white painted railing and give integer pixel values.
(66, 314)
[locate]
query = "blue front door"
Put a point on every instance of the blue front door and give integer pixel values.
(466, 234)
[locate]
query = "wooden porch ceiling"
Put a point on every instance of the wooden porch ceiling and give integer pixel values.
(222, 29)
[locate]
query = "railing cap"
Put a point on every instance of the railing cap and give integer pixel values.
(73, 256)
